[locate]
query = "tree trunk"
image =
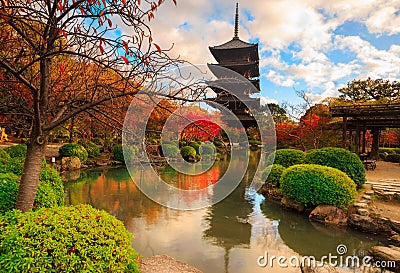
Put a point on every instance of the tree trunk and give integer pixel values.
(30, 175)
(375, 144)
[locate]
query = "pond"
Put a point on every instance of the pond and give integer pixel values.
(228, 236)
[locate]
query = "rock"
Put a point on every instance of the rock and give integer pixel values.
(365, 201)
(71, 175)
(395, 239)
(270, 192)
(370, 192)
(369, 224)
(291, 204)
(165, 264)
(384, 253)
(395, 225)
(329, 215)
(363, 212)
(70, 163)
(360, 205)
(368, 197)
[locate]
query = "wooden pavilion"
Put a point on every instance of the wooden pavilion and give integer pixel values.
(241, 57)
(359, 118)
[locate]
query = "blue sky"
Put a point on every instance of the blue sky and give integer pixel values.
(312, 45)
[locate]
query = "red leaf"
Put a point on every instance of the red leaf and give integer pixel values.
(62, 68)
(138, 2)
(125, 46)
(158, 47)
(160, 2)
(174, 2)
(124, 2)
(101, 49)
(104, 3)
(60, 6)
(125, 59)
(63, 33)
(109, 22)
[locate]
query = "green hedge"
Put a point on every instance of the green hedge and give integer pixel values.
(12, 165)
(92, 149)
(388, 151)
(130, 152)
(195, 146)
(286, 157)
(18, 150)
(169, 150)
(341, 159)
(65, 239)
(50, 191)
(312, 185)
(8, 191)
(272, 174)
(207, 149)
(188, 152)
(77, 150)
(4, 154)
(393, 158)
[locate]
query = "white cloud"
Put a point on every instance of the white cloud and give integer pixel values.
(308, 25)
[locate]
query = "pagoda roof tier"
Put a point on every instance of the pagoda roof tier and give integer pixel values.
(248, 70)
(224, 54)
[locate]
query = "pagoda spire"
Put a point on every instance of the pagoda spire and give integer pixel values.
(236, 36)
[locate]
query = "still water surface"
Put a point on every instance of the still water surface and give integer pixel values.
(225, 237)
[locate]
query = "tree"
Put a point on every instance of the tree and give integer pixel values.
(47, 46)
(373, 92)
(378, 90)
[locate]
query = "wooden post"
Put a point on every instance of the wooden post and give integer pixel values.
(363, 140)
(357, 138)
(344, 133)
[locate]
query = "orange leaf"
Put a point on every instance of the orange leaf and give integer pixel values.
(124, 2)
(125, 59)
(63, 33)
(158, 47)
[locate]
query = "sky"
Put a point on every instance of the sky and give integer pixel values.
(316, 46)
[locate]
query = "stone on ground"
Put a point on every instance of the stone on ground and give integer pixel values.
(165, 264)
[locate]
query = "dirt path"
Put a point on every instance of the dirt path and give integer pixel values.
(386, 173)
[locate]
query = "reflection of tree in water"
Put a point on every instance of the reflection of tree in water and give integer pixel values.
(112, 189)
(309, 238)
(228, 219)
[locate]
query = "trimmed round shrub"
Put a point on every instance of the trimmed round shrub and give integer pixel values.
(341, 159)
(65, 239)
(312, 185)
(196, 146)
(92, 149)
(4, 154)
(50, 191)
(393, 158)
(18, 150)
(286, 157)
(170, 150)
(254, 142)
(77, 150)
(188, 153)
(272, 174)
(207, 149)
(130, 152)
